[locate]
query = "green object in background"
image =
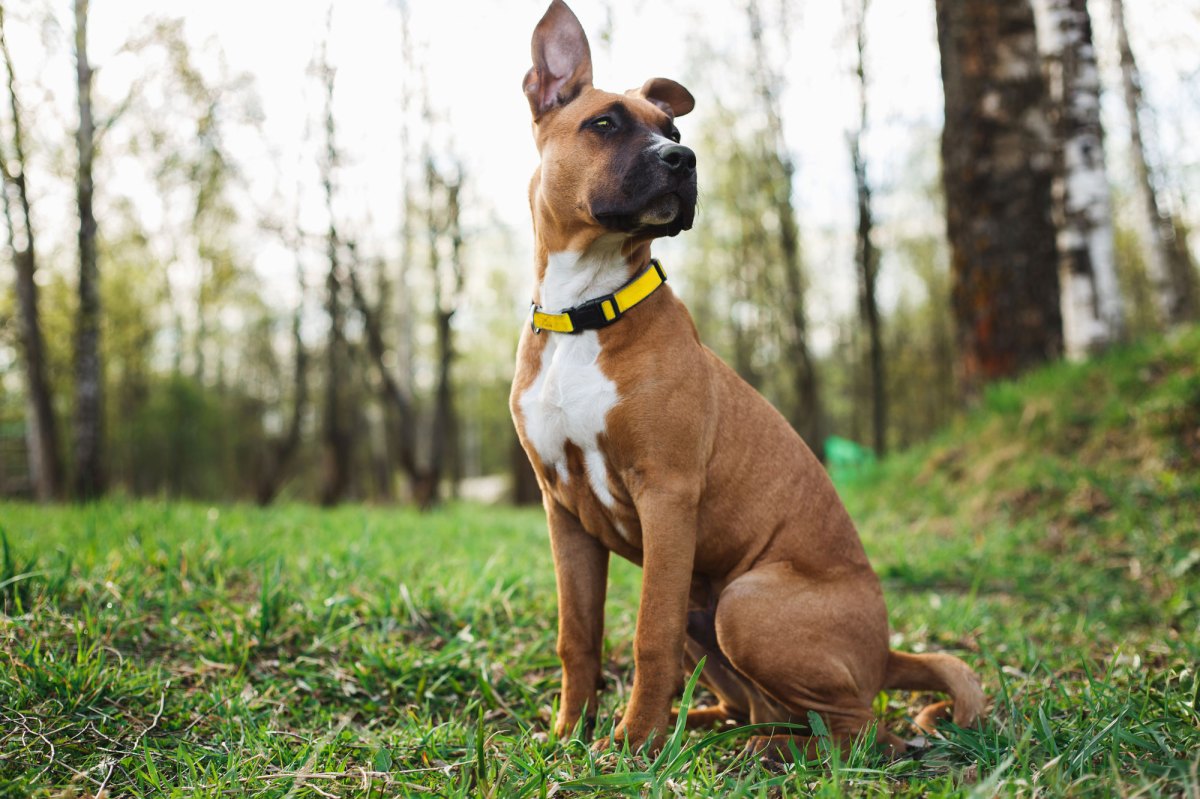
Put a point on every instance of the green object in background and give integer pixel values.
(845, 458)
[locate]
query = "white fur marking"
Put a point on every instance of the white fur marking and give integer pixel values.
(571, 396)
(597, 472)
(572, 277)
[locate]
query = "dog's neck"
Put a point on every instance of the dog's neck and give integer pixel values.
(569, 277)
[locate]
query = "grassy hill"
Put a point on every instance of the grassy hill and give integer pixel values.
(1052, 539)
(1054, 535)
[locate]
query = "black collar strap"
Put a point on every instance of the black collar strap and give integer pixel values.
(601, 311)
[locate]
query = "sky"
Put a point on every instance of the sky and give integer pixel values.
(476, 52)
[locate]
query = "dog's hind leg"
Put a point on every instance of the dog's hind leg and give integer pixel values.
(733, 692)
(806, 645)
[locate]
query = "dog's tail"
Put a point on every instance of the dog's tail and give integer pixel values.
(938, 672)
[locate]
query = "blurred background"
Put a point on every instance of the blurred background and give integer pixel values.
(264, 250)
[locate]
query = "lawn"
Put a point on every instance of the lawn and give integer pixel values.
(1051, 539)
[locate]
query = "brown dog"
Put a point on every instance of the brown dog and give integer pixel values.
(647, 445)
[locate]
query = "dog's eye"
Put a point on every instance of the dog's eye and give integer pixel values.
(605, 124)
(674, 134)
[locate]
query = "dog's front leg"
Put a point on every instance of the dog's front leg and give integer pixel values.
(581, 573)
(668, 518)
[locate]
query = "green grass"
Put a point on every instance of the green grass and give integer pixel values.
(1052, 539)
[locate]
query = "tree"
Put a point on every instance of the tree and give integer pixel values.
(41, 427)
(395, 394)
(448, 277)
(866, 256)
(997, 170)
(89, 379)
(337, 435)
(1169, 263)
(807, 416)
(1092, 307)
(282, 450)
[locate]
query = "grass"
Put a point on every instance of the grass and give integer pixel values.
(1051, 539)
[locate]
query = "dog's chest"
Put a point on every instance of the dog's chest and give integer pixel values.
(568, 402)
(566, 405)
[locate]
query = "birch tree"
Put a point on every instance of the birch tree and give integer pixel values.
(1092, 307)
(1168, 262)
(997, 170)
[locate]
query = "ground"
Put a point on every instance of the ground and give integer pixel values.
(1051, 539)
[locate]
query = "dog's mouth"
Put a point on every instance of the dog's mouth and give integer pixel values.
(661, 211)
(665, 215)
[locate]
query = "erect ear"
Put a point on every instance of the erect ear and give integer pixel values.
(667, 95)
(562, 61)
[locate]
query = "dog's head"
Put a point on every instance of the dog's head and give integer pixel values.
(610, 162)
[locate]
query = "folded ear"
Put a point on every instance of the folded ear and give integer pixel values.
(562, 61)
(667, 95)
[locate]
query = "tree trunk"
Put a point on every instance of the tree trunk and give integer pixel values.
(336, 433)
(997, 168)
(442, 439)
(866, 254)
(378, 418)
(1168, 261)
(406, 308)
(808, 415)
(447, 288)
(283, 451)
(1183, 266)
(1092, 308)
(808, 418)
(45, 466)
(336, 430)
(395, 395)
(89, 379)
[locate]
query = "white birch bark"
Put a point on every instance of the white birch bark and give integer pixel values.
(1158, 253)
(1092, 307)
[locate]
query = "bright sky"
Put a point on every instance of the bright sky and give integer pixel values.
(475, 67)
(476, 52)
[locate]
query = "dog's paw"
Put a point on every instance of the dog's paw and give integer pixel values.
(602, 744)
(635, 736)
(566, 728)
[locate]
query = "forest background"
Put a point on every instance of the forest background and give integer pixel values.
(264, 250)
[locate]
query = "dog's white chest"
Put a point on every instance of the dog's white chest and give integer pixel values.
(571, 397)
(569, 400)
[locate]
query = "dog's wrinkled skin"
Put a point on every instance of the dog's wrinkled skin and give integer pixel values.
(645, 444)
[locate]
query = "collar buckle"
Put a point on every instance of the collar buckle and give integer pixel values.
(595, 313)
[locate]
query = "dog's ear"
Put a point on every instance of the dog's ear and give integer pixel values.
(667, 95)
(562, 61)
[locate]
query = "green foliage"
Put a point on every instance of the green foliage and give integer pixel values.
(1141, 315)
(179, 441)
(739, 287)
(1050, 539)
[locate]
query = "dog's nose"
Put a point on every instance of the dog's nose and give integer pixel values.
(678, 158)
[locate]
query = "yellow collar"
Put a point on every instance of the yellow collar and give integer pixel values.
(601, 311)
